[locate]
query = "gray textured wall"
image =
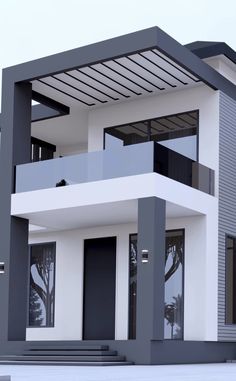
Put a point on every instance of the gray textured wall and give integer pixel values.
(227, 202)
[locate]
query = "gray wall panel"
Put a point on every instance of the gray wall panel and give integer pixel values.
(227, 202)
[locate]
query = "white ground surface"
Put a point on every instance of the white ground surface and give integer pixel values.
(206, 372)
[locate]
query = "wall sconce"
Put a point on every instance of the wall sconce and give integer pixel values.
(2, 267)
(145, 254)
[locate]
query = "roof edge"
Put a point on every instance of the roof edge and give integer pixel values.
(204, 49)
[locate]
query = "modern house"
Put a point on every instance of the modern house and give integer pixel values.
(118, 204)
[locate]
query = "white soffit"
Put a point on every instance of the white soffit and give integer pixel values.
(97, 215)
(141, 74)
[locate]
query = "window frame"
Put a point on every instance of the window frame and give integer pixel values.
(183, 281)
(54, 282)
(159, 117)
(227, 235)
(129, 309)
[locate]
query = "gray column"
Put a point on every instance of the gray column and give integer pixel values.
(151, 275)
(15, 149)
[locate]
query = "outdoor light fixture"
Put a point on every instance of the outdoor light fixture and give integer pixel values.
(145, 256)
(2, 267)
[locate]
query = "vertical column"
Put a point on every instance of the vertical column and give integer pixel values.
(151, 274)
(15, 149)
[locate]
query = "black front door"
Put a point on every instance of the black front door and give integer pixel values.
(99, 288)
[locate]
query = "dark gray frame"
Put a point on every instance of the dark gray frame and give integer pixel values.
(118, 47)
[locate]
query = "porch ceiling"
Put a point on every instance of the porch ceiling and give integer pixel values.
(97, 215)
(147, 72)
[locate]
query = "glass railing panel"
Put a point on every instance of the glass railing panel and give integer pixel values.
(203, 178)
(93, 166)
(182, 169)
(113, 163)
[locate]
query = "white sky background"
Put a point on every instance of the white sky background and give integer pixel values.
(31, 29)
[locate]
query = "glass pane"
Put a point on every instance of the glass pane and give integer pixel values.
(112, 141)
(42, 285)
(132, 285)
(174, 285)
(230, 289)
(176, 132)
(186, 146)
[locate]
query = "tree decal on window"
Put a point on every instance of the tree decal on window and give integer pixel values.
(174, 284)
(42, 285)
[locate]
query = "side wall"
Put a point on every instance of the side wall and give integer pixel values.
(227, 201)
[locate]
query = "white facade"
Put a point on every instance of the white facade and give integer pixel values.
(69, 215)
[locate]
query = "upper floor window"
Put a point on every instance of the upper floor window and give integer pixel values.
(42, 285)
(178, 132)
(41, 150)
(230, 278)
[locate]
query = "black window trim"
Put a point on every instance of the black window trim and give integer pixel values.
(227, 235)
(159, 117)
(28, 283)
(183, 280)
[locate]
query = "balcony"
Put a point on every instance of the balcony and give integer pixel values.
(112, 163)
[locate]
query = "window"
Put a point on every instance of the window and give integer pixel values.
(230, 277)
(174, 270)
(177, 132)
(42, 285)
(174, 275)
(41, 150)
(132, 285)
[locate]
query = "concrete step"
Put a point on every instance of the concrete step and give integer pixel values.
(65, 363)
(64, 347)
(66, 358)
(65, 352)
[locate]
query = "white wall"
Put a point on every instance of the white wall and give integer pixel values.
(201, 97)
(200, 278)
(69, 133)
(69, 281)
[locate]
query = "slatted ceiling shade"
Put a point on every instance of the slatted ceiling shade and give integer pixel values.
(129, 77)
(141, 126)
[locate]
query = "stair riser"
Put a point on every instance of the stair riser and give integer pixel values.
(65, 363)
(70, 353)
(62, 358)
(68, 347)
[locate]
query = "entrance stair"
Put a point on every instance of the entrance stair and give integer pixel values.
(86, 355)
